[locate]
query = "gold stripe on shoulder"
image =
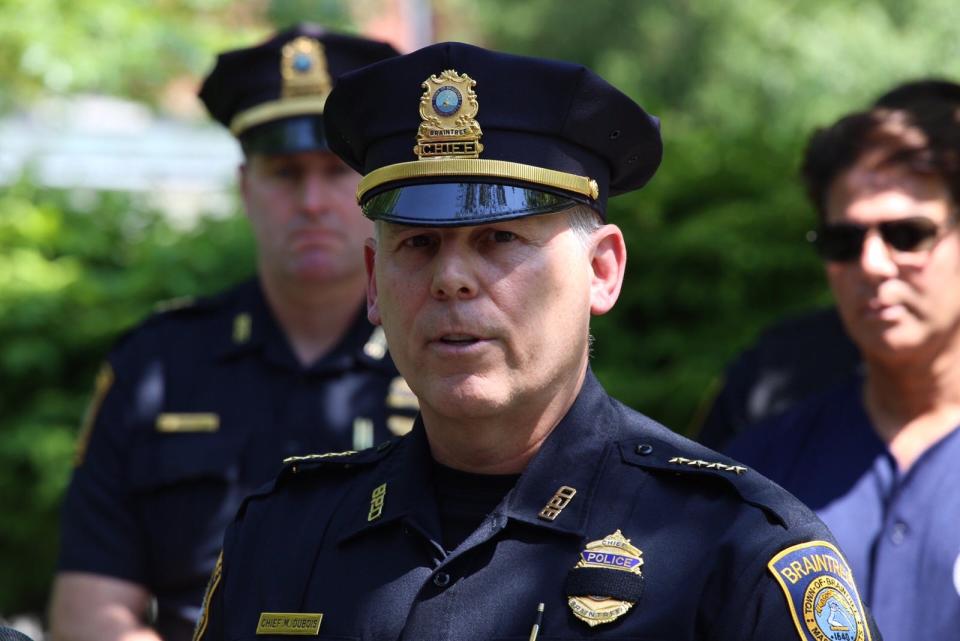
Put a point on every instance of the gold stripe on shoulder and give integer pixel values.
(708, 465)
(314, 457)
(180, 302)
(101, 386)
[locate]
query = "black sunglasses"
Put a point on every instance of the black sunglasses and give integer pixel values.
(843, 242)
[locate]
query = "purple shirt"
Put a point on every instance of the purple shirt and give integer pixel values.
(900, 531)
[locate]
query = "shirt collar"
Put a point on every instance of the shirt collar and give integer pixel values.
(252, 327)
(572, 457)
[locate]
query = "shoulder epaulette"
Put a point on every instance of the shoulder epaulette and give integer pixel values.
(173, 304)
(688, 458)
(340, 460)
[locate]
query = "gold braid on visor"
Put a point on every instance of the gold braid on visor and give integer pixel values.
(503, 169)
(275, 110)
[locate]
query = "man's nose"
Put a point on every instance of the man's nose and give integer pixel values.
(453, 276)
(316, 194)
(876, 257)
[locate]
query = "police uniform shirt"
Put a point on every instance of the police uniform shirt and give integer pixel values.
(199, 406)
(613, 505)
(900, 531)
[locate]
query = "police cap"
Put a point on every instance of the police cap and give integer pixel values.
(271, 96)
(454, 134)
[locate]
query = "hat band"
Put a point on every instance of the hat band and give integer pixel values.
(481, 167)
(275, 110)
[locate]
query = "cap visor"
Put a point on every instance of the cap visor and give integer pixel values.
(460, 204)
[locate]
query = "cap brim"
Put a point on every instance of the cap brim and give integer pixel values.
(461, 203)
(287, 136)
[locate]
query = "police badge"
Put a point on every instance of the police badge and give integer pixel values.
(303, 67)
(606, 582)
(448, 109)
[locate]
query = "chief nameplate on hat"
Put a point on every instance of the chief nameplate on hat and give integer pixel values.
(449, 109)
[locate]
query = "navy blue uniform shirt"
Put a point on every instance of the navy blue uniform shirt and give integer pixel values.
(613, 505)
(900, 531)
(198, 407)
(790, 361)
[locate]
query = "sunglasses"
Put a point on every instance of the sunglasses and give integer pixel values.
(843, 242)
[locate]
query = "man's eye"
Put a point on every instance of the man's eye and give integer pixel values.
(418, 241)
(501, 236)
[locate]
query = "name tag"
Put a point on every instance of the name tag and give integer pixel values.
(290, 623)
(191, 422)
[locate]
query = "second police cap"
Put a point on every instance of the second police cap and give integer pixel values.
(272, 96)
(454, 134)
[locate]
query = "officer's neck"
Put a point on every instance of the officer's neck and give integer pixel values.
(314, 318)
(503, 443)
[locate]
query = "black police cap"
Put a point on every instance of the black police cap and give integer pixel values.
(271, 96)
(454, 134)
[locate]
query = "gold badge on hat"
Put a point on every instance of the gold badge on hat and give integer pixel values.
(613, 553)
(303, 66)
(449, 108)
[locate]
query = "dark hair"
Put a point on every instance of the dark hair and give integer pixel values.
(924, 139)
(913, 93)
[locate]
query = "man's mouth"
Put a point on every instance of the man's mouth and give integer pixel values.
(458, 339)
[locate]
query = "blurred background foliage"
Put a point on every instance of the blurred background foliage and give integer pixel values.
(716, 242)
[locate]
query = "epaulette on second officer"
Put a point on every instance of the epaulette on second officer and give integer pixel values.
(688, 458)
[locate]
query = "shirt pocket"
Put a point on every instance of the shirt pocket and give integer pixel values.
(184, 489)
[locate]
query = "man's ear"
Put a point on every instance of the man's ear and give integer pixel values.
(608, 262)
(370, 259)
(243, 180)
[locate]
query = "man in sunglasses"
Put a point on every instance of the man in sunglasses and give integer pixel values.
(805, 354)
(876, 457)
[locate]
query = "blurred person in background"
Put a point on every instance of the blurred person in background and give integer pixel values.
(805, 354)
(876, 456)
(200, 404)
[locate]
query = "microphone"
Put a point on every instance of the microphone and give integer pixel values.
(9, 634)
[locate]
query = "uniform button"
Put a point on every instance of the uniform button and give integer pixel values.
(644, 449)
(899, 533)
(441, 579)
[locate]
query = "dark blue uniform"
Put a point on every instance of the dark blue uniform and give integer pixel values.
(200, 405)
(613, 505)
(792, 360)
(899, 529)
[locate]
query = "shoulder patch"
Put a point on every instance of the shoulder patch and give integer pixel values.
(101, 386)
(212, 585)
(820, 592)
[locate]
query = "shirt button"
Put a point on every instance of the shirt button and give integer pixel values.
(899, 533)
(441, 579)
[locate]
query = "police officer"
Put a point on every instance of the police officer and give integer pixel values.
(201, 403)
(526, 502)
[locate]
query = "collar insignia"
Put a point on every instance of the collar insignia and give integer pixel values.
(303, 67)
(606, 582)
(448, 109)
(560, 499)
(376, 502)
(242, 326)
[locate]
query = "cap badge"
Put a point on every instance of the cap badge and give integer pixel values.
(303, 66)
(606, 582)
(448, 109)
